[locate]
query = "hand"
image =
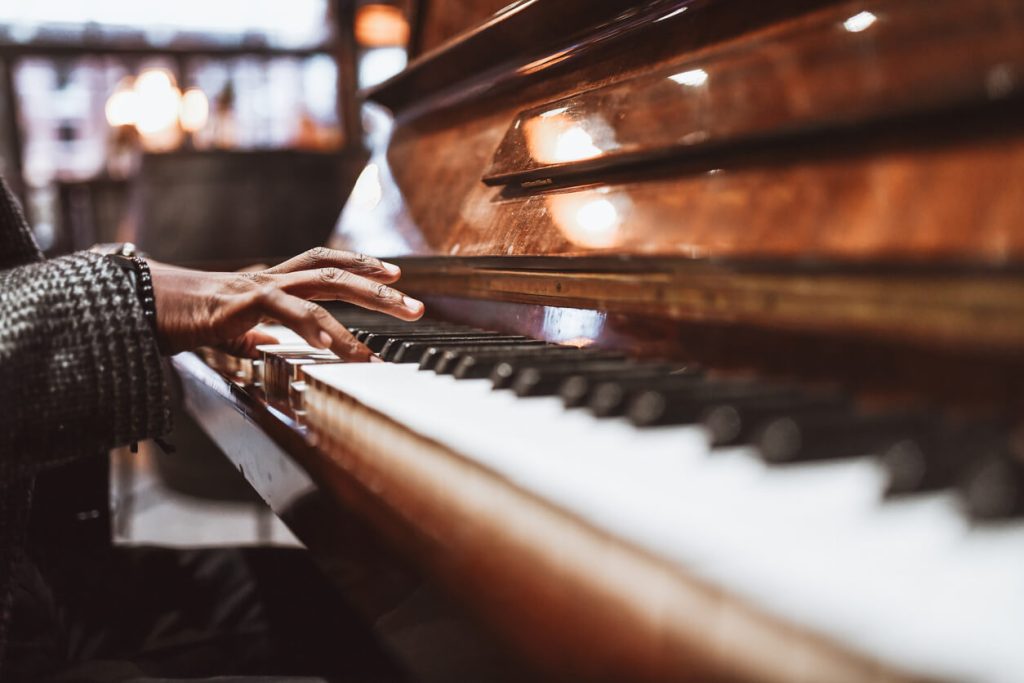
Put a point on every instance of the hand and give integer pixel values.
(196, 308)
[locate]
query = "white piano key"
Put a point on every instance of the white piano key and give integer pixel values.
(907, 582)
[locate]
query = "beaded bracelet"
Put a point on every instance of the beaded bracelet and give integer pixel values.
(142, 280)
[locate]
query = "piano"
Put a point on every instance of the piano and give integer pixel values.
(722, 367)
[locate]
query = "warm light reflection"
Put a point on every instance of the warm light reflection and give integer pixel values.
(860, 22)
(366, 193)
(122, 106)
(377, 219)
(194, 111)
(590, 218)
(380, 25)
(555, 137)
(545, 62)
(158, 101)
(671, 14)
(598, 217)
(693, 78)
(554, 112)
(575, 144)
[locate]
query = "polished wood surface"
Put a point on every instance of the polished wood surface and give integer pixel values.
(943, 306)
(805, 76)
(945, 187)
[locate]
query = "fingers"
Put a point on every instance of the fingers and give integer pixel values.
(311, 322)
(342, 342)
(337, 284)
(245, 345)
(322, 257)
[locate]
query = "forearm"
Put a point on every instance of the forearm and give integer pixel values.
(79, 365)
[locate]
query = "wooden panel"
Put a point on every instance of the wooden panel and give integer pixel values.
(950, 307)
(805, 75)
(944, 190)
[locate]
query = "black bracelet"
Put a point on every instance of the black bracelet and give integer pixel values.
(142, 280)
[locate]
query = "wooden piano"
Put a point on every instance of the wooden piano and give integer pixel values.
(822, 198)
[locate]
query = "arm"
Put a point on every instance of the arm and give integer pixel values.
(79, 365)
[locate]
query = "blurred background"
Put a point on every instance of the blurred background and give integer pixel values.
(208, 132)
(212, 133)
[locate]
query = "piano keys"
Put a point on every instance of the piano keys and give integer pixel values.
(795, 524)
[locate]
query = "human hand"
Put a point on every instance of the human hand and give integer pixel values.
(196, 308)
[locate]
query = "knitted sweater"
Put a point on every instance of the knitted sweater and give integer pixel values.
(79, 372)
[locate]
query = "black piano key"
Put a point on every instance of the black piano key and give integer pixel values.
(937, 459)
(501, 369)
(473, 357)
(736, 422)
(550, 381)
(578, 389)
(362, 333)
(549, 370)
(686, 405)
(448, 356)
(612, 398)
(483, 364)
(399, 351)
(432, 356)
(803, 438)
(993, 488)
(376, 341)
(545, 379)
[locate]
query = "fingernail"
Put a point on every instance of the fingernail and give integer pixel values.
(326, 340)
(412, 304)
(375, 359)
(392, 269)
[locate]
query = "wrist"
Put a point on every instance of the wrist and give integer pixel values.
(141, 278)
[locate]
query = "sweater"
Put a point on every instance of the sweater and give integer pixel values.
(80, 373)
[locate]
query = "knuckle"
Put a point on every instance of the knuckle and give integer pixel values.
(366, 262)
(267, 292)
(332, 275)
(382, 291)
(317, 254)
(252, 278)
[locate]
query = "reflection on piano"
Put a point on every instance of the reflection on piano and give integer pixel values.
(721, 377)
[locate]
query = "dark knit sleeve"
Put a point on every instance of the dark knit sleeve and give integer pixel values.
(79, 365)
(16, 245)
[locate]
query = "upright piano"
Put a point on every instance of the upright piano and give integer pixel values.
(722, 365)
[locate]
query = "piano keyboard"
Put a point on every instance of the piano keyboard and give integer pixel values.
(896, 534)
